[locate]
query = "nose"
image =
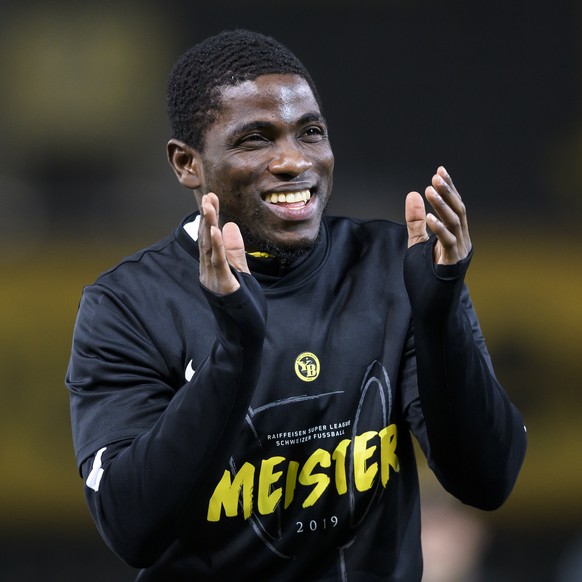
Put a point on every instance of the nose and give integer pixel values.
(289, 160)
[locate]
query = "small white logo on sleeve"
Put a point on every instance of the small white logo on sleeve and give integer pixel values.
(189, 373)
(96, 472)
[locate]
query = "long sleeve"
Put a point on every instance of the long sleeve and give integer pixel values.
(474, 437)
(141, 489)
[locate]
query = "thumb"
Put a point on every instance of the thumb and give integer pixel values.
(234, 247)
(415, 215)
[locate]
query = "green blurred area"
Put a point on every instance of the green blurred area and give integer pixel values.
(39, 294)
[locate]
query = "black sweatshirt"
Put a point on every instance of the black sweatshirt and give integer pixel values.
(266, 434)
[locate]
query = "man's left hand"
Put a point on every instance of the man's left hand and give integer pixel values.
(448, 223)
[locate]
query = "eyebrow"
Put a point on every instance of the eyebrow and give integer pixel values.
(308, 117)
(262, 125)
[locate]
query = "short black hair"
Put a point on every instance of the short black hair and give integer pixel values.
(226, 59)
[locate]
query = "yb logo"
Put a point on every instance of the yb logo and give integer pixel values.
(307, 366)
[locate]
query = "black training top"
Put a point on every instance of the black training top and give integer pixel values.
(266, 434)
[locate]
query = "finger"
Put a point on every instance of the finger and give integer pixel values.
(234, 247)
(450, 220)
(208, 219)
(447, 240)
(444, 186)
(443, 210)
(209, 210)
(214, 269)
(415, 215)
(219, 277)
(443, 173)
(455, 218)
(218, 254)
(446, 225)
(212, 199)
(217, 251)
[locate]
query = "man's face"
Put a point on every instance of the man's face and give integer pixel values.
(268, 159)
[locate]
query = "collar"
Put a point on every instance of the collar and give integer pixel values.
(270, 271)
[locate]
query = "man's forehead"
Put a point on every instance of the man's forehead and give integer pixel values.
(272, 81)
(282, 93)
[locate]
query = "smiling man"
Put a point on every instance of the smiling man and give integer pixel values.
(269, 157)
(243, 393)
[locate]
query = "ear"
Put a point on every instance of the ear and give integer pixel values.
(186, 163)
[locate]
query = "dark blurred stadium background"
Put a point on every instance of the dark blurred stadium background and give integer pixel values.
(490, 89)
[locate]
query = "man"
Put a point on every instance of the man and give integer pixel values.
(243, 392)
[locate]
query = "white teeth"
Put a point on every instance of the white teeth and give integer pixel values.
(288, 197)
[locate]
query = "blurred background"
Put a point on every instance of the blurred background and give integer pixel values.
(492, 90)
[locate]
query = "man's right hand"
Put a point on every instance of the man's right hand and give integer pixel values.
(219, 249)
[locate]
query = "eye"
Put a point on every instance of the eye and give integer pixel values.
(253, 138)
(314, 133)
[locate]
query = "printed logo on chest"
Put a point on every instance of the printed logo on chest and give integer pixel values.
(307, 366)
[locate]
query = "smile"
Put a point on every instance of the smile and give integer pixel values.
(288, 197)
